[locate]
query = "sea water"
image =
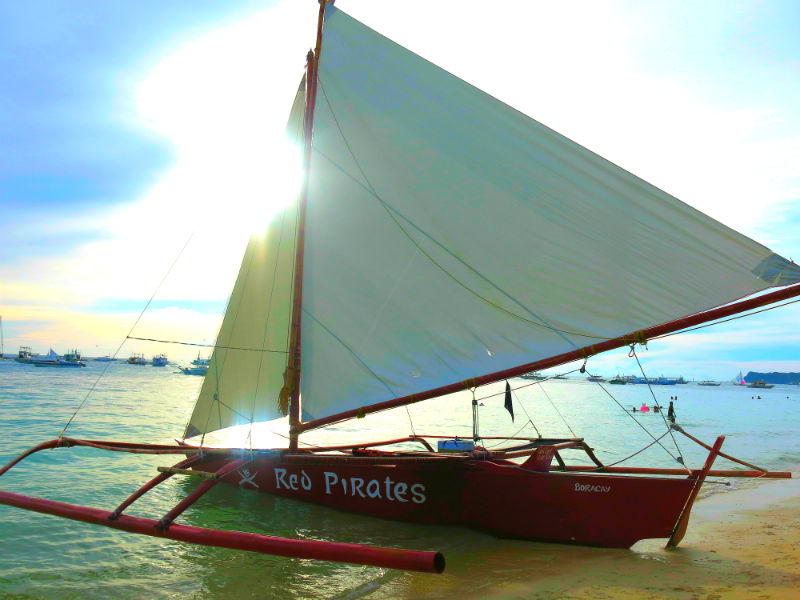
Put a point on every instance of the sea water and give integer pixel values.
(47, 557)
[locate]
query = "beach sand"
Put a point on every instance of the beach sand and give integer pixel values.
(743, 543)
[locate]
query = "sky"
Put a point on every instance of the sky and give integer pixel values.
(131, 130)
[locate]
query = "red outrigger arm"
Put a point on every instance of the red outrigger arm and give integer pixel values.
(392, 558)
(683, 521)
(554, 361)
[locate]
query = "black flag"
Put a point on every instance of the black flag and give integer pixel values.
(509, 406)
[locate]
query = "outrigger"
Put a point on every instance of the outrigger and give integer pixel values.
(378, 289)
(423, 487)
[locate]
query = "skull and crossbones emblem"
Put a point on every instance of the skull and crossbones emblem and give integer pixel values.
(247, 477)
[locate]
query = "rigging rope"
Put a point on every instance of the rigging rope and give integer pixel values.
(135, 323)
(558, 412)
(530, 420)
(622, 460)
(733, 318)
(411, 421)
(635, 420)
(265, 332)
(214, 346)
(649, 387)
(511, 437)
(391, 212)
(219, 370)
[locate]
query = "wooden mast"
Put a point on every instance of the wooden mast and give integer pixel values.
(291, 377)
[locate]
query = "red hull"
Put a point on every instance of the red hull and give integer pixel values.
(498, 497)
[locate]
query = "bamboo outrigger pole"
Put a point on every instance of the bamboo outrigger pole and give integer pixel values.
(585, 352)
(392, 558)
(291, 386)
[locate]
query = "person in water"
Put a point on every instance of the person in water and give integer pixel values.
(671, 413)
(634, 409)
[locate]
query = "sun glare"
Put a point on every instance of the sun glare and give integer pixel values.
(223, 102)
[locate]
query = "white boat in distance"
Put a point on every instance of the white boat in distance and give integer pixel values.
(25, 354)
(194, 370)
(52, 359)
(137, 359)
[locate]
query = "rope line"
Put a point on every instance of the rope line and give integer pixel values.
(215, 346)
(520, 387)
(530, 420)
(266, 331)
(135, 323)
(558, 412)
(733, 318)
(622, 460)
(635, 420)
(391, 212)
(652, 393)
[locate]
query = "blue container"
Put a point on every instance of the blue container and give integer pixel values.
(456, 445)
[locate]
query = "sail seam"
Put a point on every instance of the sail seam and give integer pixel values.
(266, 327)
(351, 351)
(218, 370)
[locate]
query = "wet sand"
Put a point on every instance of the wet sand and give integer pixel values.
(743, 543)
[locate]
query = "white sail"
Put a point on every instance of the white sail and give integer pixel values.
(245, 372)
(450, 236)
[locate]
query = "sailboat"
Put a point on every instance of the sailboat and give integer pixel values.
(379, 288)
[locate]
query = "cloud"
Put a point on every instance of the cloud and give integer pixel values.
(222, 101)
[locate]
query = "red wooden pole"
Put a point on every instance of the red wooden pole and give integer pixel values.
(554, 361)
(166, 520)
(293, 369)
(157, 480)
(391, 558)
(657, 471)
(683, 521)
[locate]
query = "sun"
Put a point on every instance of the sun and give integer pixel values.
(222, 101)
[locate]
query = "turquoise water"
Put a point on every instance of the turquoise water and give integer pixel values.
(47, 557)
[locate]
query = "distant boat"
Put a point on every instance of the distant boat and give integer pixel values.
(714, 383)
(681, 381)
(596, 378)
(654, 380)
(49, 359)
(201, 361)
(25, 354)
(137, 359)
(52, 359)
(195, 370)
(105, 358)
(533, 375)
(761, 385)
(160, 360)
(617, 381)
